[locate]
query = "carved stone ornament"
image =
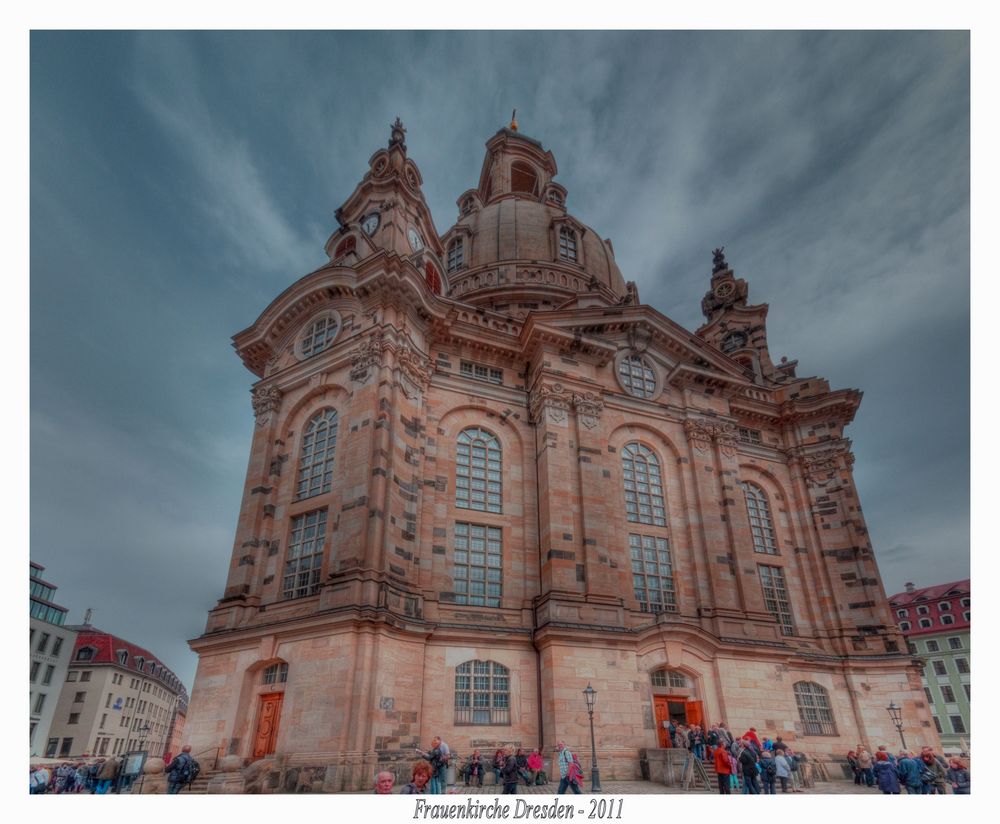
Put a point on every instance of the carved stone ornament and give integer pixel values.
(265, 400)
(414, 371)
(366, 356)
(820, 468)
(550, 401)
(638, 339)
(588, 408)
(699, 433)
(726, 436)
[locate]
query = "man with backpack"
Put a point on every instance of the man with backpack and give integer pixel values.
(183, 770)
(570, 772)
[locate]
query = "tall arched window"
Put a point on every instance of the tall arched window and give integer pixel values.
(643, 485)
(814, 709)
(478, 471)
(761, 525)
(482, 693)
(319, 442)
(523, 178)
(567, 243)
(456, 255)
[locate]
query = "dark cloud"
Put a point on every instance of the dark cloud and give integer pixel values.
(180, 181)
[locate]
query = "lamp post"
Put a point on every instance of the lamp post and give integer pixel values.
(590, 694)
(143, 732)
(896, 714)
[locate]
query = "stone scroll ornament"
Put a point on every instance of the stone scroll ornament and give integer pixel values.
(552, 402)
(702, 433)
(414, 371)
(366, 356)
(699, 433)
(265, 400)
(588, 409)
(820, 468)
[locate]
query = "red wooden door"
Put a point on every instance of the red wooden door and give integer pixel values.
(695, 714)
(267, 724)
(662, 713)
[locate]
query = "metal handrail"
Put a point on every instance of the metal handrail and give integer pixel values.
(215, 761)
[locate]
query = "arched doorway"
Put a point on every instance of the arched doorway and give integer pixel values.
(269, 703)
(675, 698)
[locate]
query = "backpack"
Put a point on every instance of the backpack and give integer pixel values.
(188, 771)
(770, 768)
(574, 772)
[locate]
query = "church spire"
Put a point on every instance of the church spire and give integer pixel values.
(398, 135)
(725, 290)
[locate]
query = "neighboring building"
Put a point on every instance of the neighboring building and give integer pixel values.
(51, 645)
(484, 475)
(112, 690)
(936, 621)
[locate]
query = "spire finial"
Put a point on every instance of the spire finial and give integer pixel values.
(719, 260)
(398, 137)
(513, 120)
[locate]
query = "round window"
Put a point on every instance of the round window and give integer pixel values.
(318, 335)
(637, 376)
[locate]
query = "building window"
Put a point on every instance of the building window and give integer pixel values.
(652, 573)
(962, 664)
(320, 335)
(85, 675)
(348, 244)
(49, 672)
(80, 697)
(749, 435)
(925, 623)
(932, 646)
(947, 620)
(923, 610)
(432, 278)
(636, 375)
(43, 642)
(85, 654)
(482, 693)
(761, 526)
(567, 243)
(456, 255)
(911, 648)
(939, 668)
(772, 581)
(35, 666)
(123, 657)
(72, 675)
(944, 606)
(927, 692)
(937, 724)
(478, 471)
(965, 602)
(319, 443)
(522, 178)
(305, 555)
(954, 643)
(968, 690)
(733, 341)
(966, 616)
(948, 694)
(669, 678)
(902, 613)
(57, 645)
(74, 718)
(957, 724)
(478, 567)
(276, 674)
(67, 747)
(904, 626)
(814, 709)
(50, 747)
(39, 703)
(643, 485)
(480, 372)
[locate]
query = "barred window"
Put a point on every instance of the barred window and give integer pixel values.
(276, 674)
(652, 573)
(733, 341)
(482, 693)
(319, 442)
(481, 372)
(305, 555)
(456, 254)
(814, 709)
(478, 569)
(749, 435)
(567, 243)
(772, 581)
(671, 678)
(320, 334)
(636, 375)
(478, 471)
(761, 525)
(643, 485)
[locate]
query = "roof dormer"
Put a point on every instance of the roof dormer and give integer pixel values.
(516, 166)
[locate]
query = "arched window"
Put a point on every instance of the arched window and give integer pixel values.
(669, 678)
(904, 626)
(433, 278)
(320, 334)
(482, 693)
(523, 178)
(947, 619)
(276, 674)
(643, 485)
(733, 341)
(814, 709)
(567, 243)
(456, 254)
(761, 525)
(348, 244)
(636, 375)
(316, 458)
(478, 471)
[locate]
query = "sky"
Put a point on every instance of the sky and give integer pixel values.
(180, 181)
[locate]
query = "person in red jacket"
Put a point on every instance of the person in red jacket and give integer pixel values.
(723, 769)
(751, 735)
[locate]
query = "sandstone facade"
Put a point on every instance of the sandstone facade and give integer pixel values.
(484, 475)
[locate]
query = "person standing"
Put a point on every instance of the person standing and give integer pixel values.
(437, 761)
(865, 766)
(782, 767)
(567, 770)
(933, 775)
(958, 777)
(723, 769)
(181, 771)
(908, 771)
(109, 772)
(511, 773)
(748, 766)
(768, 772)
(885, 774)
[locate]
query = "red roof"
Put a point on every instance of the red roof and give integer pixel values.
(922, 605)
(937, 592)
(106, 648)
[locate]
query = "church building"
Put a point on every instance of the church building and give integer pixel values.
(484, 475)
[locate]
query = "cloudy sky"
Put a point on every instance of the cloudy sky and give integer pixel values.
(179, 182)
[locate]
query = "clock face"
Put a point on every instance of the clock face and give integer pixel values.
(416, 242)
(370, 223)
(724, 290)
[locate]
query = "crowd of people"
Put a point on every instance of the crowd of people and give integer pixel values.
(925, 774)
(79, 776)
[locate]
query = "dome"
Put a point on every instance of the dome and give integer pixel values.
(515, 247)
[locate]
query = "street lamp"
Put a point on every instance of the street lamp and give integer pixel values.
(143, 732)
(590, 694)
(896, 714)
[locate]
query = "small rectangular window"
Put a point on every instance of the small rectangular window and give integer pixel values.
(955, 643)
(963, 665)
(927, 692)
(35, 666)
(72, 675)
(939, 668)
(67, 747)
(751, 436)
(948, 694)
(43, 642)
(957, 724)
(57, 645)
(50, 747)
(968, 690)
(481, 372)
(49, 671)
(85, 675)
(932, 646)
(937, 724)
(39, 703)
(74, 718)
(79, 697)
(772, 581)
